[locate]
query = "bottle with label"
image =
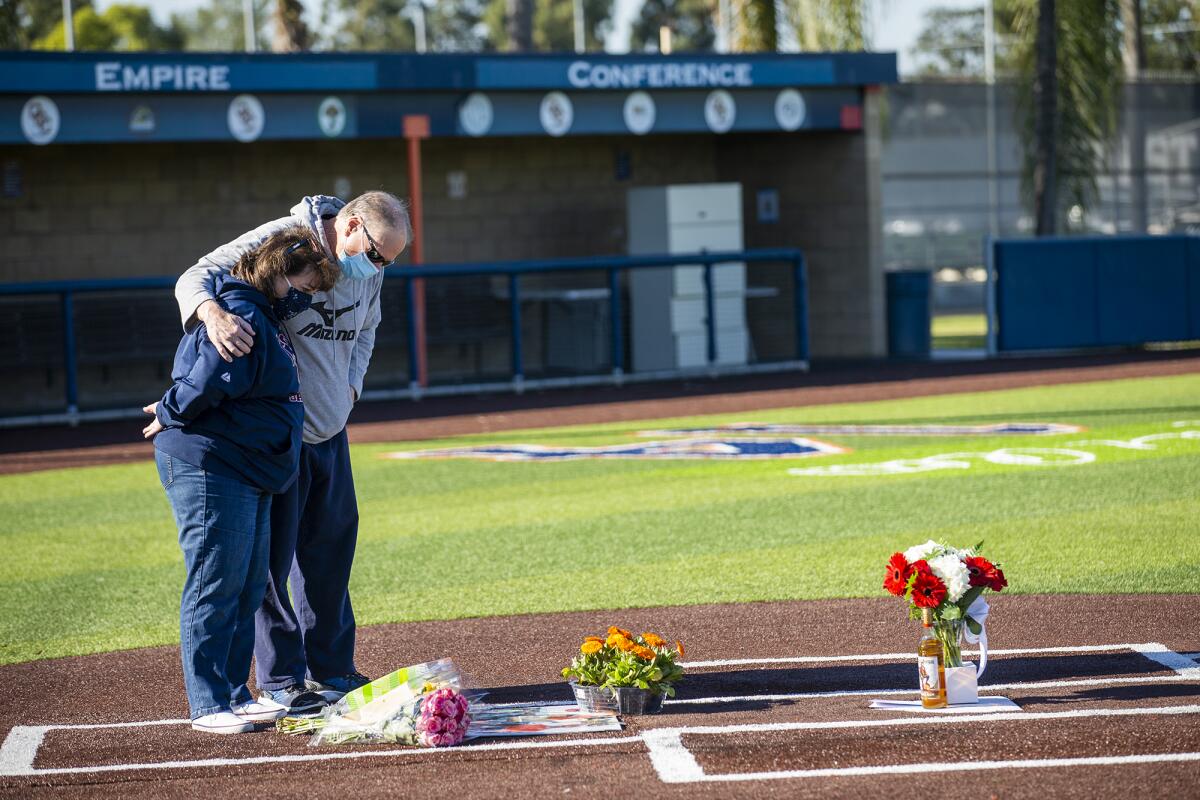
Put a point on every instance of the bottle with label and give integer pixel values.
(931, 665)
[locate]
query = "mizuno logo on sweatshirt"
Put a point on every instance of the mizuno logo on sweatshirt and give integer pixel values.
(225, 377)
(314, 331)
(329, 314)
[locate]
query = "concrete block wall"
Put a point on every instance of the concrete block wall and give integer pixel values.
(823, 209)
(154, 209)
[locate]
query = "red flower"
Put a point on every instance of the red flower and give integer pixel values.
(928, 590)
(922, 566)
(985, 573)
(996, 580)
(898, 572)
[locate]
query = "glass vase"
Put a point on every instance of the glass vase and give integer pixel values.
(950, 632)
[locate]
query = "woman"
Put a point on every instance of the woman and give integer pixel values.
(227, 438)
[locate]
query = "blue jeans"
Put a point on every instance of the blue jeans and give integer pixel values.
(224, 531)
(308, 632)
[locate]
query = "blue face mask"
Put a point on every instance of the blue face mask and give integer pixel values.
(357, 267)
(293, 303)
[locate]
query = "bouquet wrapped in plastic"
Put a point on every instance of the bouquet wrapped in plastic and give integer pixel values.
(419, 705)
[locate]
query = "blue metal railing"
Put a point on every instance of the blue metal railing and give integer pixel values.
(612, 265)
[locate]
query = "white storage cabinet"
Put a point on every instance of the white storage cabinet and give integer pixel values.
(668, 317)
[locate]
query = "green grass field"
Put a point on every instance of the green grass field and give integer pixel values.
(89, 563)
(959, 332)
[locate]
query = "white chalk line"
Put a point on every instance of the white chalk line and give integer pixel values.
(674, 763)
(650, 738)
(933, 766)
(19, 749)
(995, 687)
(1087, 648)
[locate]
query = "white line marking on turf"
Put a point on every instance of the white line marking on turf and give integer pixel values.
(996, 687)
(741, 662)
(674, 763)
(961, 766)
(1182, 664)
(20, 748)
(326, 756)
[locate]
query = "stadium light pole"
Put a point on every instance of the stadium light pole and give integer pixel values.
(415, 11)
(989, 77)
(69, 24)
(580, 43)
(248, 26)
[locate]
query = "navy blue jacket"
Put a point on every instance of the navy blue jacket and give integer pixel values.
(241, 420)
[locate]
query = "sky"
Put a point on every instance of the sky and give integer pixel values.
(894, 24)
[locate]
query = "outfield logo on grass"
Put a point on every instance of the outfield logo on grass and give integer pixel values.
(998, 429)
(1006, 456)
(718, 449)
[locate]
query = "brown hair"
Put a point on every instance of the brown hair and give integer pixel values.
(289, 252)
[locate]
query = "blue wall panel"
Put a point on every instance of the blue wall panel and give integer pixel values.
(1066, 293)
(1193, 263)
(1142, 287)
(1046, 294)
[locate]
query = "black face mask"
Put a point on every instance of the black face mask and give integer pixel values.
(293, 303)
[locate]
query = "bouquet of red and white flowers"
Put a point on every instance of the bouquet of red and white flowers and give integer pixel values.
(950, 582)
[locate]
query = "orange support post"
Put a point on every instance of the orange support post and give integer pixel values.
(416, 128)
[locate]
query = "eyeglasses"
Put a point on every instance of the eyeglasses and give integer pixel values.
(373, 251)
(295, 247)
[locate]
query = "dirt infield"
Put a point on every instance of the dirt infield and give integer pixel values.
(32, 449)
(774, 704)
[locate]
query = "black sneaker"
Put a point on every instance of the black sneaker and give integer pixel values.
(334, 689)
(294, 699)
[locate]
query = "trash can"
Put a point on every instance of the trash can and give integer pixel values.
(908, 313)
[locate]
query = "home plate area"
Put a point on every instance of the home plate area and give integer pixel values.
(776, 700)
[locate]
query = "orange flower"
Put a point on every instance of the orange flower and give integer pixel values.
(626, 644)
(654, 640)
(614, 639)
(643, 652)
(593, 639)
(589, 647)
(679, 647)
(614, 629)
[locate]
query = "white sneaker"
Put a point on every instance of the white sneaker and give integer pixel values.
(222, 722)
(259, 711)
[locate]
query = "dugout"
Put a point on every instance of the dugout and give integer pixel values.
(121, 165)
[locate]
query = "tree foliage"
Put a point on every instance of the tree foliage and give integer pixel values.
(1088, 82)
(828, 25)
(220, 27)
(553, 24)
(120, 27)
(692, 24)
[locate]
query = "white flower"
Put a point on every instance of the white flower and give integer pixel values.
(921, 551)
(954, 573)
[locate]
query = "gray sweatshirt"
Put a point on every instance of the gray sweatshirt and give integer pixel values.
(333, 338)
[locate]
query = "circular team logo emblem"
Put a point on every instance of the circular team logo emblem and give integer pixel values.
(556, 113)
(475, 114)
(40, 120)
(790, 109)
(720, 111)
(246, 117)
(639, 113)
(331, 116)
(141, 120)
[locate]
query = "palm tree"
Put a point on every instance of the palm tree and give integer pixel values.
(754, 29)
(1045, 103)
(1068, 56)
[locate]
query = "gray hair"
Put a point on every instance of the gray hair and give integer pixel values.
(382, 210)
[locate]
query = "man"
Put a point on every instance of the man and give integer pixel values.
(304, 647)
